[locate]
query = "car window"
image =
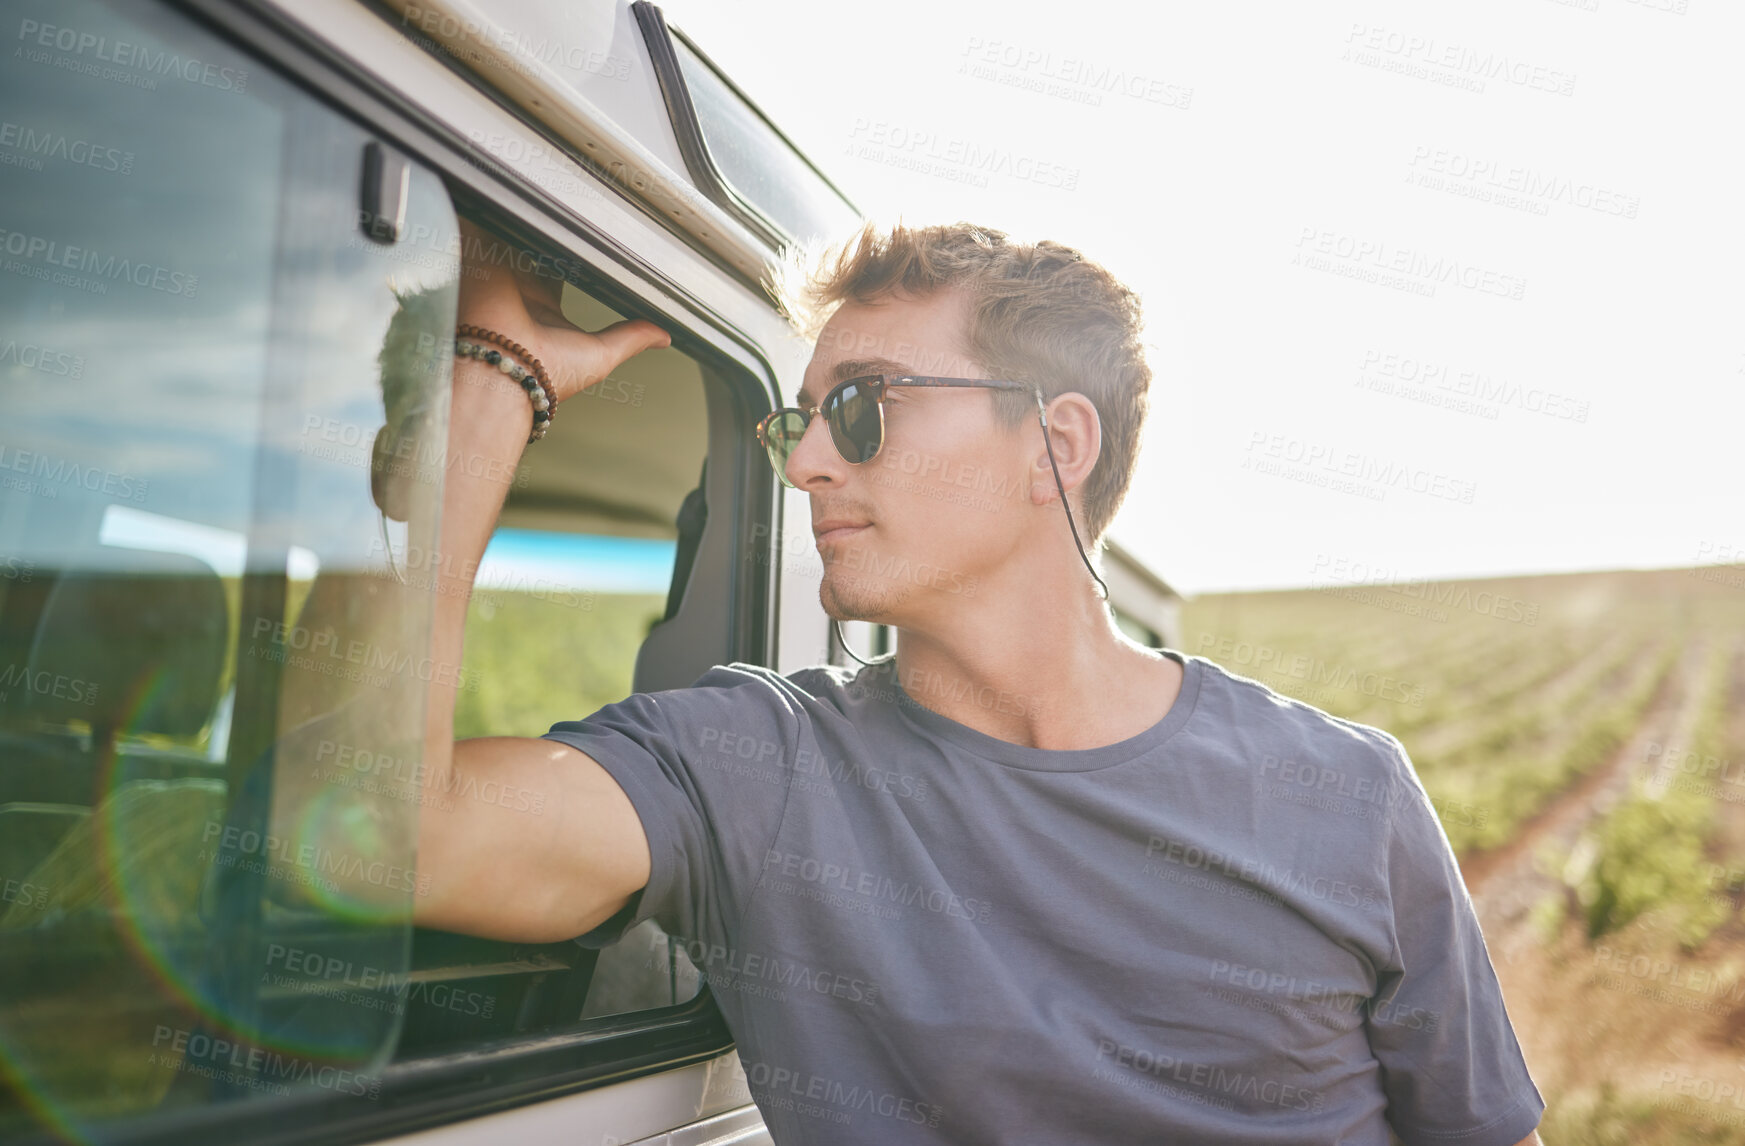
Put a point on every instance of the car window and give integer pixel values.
(585, 562)
(756, 159)
(583, 559)
(222, 405)
(226, 317)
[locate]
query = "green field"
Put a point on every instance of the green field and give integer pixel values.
(533, 661)
(1582, 738)
(1504, 695)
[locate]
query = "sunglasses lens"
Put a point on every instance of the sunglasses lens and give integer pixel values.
(855, 425)
(781, 435)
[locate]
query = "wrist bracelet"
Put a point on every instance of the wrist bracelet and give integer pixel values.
(474, 342)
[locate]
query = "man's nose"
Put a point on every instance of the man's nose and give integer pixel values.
(815, 459)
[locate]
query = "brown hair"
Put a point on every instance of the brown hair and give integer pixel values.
(1040, 313)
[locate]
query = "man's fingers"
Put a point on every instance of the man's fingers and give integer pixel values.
(625, 340)
(590, 358)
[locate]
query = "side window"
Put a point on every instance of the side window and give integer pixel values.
(222, 415)
(583, 562)
(593, 551)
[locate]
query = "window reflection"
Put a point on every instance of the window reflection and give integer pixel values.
(208, 376)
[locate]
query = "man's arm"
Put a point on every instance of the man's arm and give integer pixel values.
(1438, 1024)
(494, 871)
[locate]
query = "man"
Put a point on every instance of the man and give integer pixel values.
(1027, 881)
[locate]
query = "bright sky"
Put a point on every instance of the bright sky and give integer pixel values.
(1297, 192)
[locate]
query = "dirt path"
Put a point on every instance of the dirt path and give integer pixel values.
(1580, 1021)
(1505, 882)
(1730, 809)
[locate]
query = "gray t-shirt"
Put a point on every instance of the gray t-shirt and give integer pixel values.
(1243, 925)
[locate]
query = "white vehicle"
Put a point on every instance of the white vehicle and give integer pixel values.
(211, 212)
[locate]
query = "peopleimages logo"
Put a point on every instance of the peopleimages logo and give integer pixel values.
(134, 57)
(1483, 173)
(1325, 779)
(900, 568)
(782, 1086)
(1258, 873)
(875, 886)
(812, 764)
(1267, 658)
(408, 777)
(32, 357)
(1406, 375)
(952, 157)
(246, 848)
(321, 975)
(737, 967)
(910, 683)
(1067, 77)
(52, 253)
(327, 652)
(57, 473)
(1222, 1083)
(23, 892)
(1330, 567)
(255, 1067)
(1372, 258)
(44, 683)
(36, 145)
(525, 48)
(1321, 463)
(1426, 57)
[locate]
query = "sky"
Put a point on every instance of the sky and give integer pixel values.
(1432, 290)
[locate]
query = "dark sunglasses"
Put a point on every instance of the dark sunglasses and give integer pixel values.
(855, 412)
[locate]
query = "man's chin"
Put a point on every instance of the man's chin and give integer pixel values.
(847, 598)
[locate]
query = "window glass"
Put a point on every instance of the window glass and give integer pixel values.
(585, 562)
(757, 161)
(554, 626)
(222, 417)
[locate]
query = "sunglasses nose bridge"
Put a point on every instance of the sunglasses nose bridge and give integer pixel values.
(811, 420)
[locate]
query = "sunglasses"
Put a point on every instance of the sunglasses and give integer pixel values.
(855, 412)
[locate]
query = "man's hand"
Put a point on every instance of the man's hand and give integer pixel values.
(499, 295)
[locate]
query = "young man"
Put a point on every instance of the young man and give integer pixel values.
(1027, 881)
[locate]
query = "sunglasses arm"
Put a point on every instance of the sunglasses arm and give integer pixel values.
(1042, 415)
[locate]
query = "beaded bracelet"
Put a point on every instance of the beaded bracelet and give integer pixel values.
(535, 381)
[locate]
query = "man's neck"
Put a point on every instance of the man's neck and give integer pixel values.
(1061, 681)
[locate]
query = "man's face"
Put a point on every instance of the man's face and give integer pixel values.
(916, 530)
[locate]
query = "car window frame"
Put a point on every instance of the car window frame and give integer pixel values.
(663, 42)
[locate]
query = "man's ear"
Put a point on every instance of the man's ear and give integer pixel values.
(1076, 434)
(389, 486)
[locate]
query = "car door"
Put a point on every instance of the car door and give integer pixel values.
(227, 290)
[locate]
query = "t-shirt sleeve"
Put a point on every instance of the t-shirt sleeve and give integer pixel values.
(1451, 1066)
(706, 769)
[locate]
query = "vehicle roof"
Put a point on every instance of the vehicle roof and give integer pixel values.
(583, 70)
